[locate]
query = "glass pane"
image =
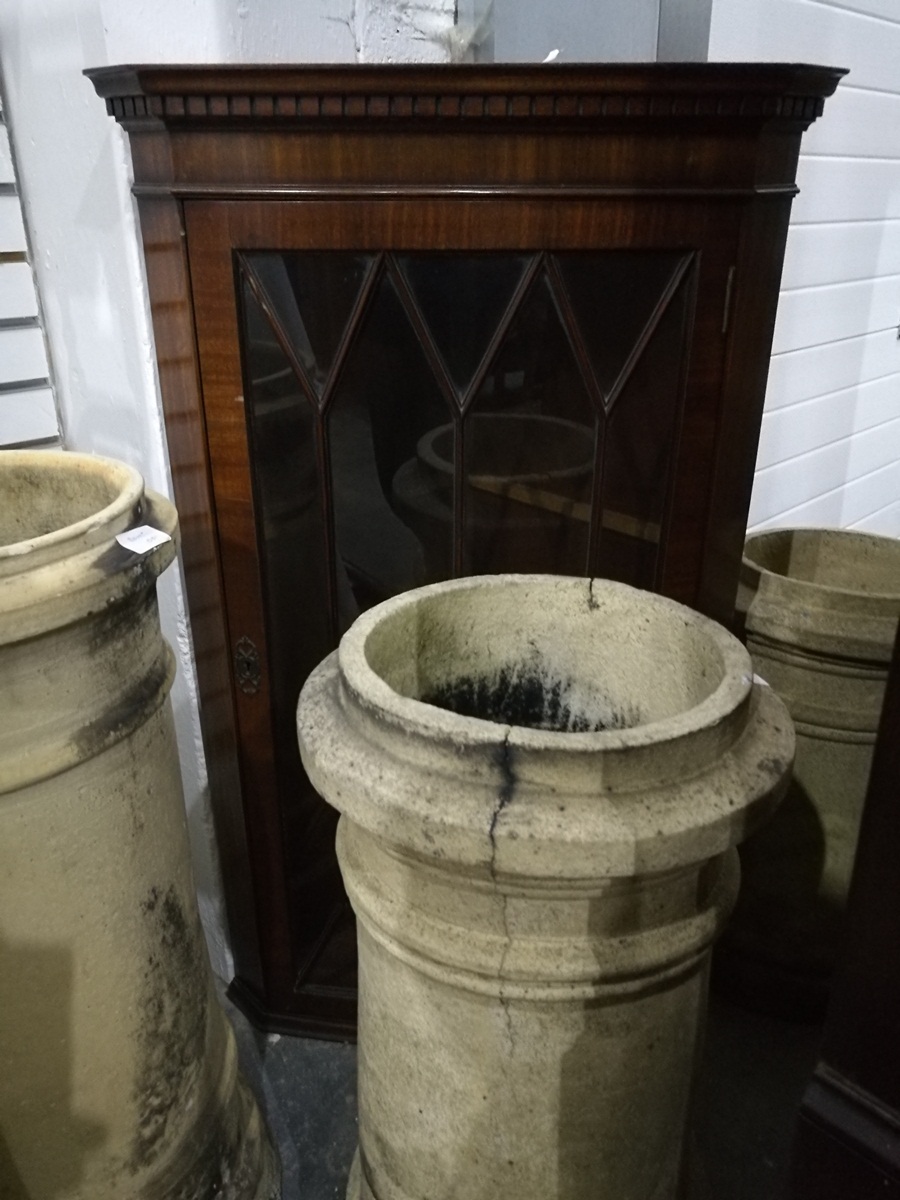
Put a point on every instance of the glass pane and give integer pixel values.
(462, 298)
(613, 295)
(392, 519)
(528, 460)
(526, 445)
(313, 296)
(639, 450)
(287, 499)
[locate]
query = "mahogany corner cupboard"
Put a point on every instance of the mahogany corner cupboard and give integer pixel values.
(418, 322)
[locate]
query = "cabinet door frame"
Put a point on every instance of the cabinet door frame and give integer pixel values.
(510, 219)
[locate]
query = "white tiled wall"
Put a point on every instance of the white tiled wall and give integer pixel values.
(830, 446)
(27, 407)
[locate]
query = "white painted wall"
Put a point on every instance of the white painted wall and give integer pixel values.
(830, 446)
(581, 30)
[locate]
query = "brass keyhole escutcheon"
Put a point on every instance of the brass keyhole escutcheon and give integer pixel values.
(247, 669)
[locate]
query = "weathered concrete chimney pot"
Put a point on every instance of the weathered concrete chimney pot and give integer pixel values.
(542, 780)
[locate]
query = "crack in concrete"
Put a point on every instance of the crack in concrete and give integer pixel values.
(353, 22)
(504, 797)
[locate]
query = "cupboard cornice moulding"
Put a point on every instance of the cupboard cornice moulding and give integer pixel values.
(575, 95)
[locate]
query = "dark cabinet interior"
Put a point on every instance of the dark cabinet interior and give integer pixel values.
(424, 322)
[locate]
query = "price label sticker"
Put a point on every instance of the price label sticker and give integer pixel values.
(754, 678)
(142, 539)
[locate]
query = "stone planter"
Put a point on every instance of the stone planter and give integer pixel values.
(118, 1075)
(541, 782)
(821, 609)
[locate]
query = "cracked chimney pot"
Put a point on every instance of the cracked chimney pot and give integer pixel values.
(118, 1070)
(541, 781)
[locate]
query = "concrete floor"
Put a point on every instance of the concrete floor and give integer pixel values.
(754, 1072)
(753, 1075)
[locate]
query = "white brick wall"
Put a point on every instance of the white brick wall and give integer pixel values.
(830, 446)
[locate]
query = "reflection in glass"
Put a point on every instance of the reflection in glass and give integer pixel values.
(613, 295)
(287, 499)
(412, 416)
(528, 457)
(313, 296)
(462, 298)
(386, 399)
(639, 451)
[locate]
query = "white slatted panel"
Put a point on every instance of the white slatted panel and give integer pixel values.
(12, 228)
(809, 31)
(27, 407)
(823, 370)
(816, 315)
(27, 416)
(840, 252)
(847, 189)
(7, 174)
(884, 520)
(789, 483)
(865, 495)
(849, 504)
(830, 442)
(22, 354)
(801, 428)
(17, 294)
(860, 123)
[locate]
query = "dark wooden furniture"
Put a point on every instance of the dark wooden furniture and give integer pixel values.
(416, 322)
(847, 1144)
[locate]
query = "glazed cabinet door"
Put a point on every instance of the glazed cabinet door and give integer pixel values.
(541, 393)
